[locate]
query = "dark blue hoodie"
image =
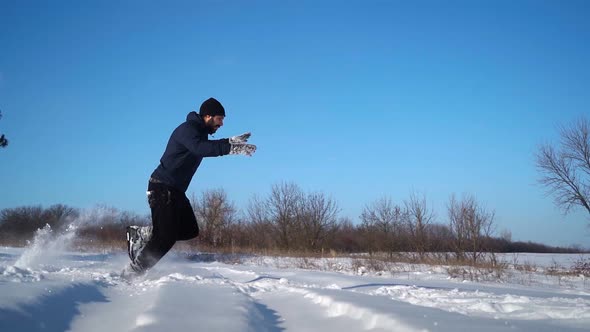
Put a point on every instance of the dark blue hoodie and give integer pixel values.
(187, 146)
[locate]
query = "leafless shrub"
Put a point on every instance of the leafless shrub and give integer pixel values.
(419, 217)
(582, 267)
(371, 264)
(307, 263)
(471, 224)
(318, 220)
(285, 206)
(216, 214)
(357, 264)
(293, 220)
(488, 269)
(527, 267)
(260, 229)
(555, 269)
(381, 224)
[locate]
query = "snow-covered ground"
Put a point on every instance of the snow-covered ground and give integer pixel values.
(45, 289)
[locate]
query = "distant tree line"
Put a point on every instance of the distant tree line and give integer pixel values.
(98, 227)
(289, 220)
(19, 224)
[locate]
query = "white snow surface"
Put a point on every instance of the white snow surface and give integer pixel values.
(44, 288)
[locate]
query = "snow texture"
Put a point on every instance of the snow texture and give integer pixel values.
(47, 289)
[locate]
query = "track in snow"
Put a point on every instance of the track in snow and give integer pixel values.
(82, 293)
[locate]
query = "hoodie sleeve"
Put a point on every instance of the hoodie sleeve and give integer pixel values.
(191, 139)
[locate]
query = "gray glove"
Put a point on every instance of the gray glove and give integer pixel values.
(240, 139)
(241, 148)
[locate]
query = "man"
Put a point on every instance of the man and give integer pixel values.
(172, 215)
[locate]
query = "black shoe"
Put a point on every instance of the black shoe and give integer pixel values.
(131, 240)
(137, 238)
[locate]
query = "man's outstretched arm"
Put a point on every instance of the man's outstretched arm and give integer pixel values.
(215, 148)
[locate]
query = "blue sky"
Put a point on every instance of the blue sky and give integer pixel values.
(358, 99)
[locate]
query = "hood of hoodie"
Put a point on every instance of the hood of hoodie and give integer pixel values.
(196, 119)
(193, 116)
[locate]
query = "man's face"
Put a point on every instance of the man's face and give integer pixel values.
(213, 122)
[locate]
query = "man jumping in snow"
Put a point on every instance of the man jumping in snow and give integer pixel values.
(173, 218)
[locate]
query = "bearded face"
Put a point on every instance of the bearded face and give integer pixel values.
(213, 123)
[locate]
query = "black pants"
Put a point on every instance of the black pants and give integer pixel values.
(173, 220)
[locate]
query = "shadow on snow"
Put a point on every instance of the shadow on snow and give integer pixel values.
(52, 312)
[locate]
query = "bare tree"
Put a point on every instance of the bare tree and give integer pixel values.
(419, 217)
(458, 227)
(565, 169)
(260, 228)
(381, 220)
(3, 140)
(319, 220)
(471, 225)
(217, 214)
(285, 206)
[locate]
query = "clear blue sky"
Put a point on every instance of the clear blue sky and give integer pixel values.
(358, 99)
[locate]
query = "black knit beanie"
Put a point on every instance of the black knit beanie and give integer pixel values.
(211, 107)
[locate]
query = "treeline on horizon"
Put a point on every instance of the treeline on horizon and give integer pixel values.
(289, 220)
